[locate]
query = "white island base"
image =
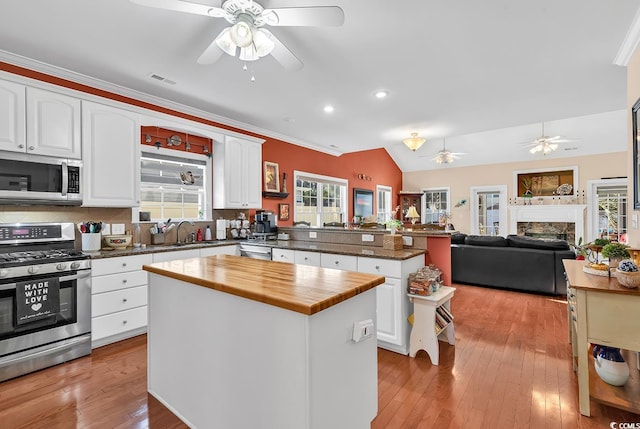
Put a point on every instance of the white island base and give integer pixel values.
(217, 360)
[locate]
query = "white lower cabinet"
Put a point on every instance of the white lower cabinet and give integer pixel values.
(220, 250)
(175, 255)
(118, 298)
(283, 255)
(393, 306)
(340, 262)
(304, 257)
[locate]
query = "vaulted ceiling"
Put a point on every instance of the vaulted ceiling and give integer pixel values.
(482, 74)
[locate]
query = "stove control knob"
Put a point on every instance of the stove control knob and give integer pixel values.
(3, 272)
(33, 269)
(61, 267)
(75, 265)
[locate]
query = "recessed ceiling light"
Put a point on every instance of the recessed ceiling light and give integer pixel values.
(382, 93)
(328, 109)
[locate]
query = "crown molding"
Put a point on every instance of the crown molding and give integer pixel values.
(630, 42)
(99, 84)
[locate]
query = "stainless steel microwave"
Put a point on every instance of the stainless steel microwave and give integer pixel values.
(36, 179)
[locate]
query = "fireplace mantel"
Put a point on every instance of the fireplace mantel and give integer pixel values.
(572, 213)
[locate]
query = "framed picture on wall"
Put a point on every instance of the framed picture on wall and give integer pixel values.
(271, 177)
(283, 211)
(362, 203)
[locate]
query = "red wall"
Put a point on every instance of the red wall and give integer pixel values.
(364, 169)
(357, 168)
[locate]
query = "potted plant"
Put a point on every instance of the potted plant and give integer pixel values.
(615, 252)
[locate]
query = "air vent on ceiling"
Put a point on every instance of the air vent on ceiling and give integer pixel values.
(571, 148)
(161, 78)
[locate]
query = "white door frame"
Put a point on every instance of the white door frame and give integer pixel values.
(473, 197)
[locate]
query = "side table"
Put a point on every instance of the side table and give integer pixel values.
(426, 329)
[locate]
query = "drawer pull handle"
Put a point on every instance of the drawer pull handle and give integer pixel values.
(337, 262)
(124, 280)
(124, 264)
(378, 267)
(124, 299)
(306, 259)
(124, 322)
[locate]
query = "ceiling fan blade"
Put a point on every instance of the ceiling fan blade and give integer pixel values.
(282, 54)
(211, 54)
(316, 16)
(182, 6)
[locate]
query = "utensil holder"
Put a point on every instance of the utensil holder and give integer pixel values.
(91, 242)
(157, 238)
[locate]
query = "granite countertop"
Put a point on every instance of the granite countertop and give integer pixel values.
(129, 251)
(300, 288)
(342, 249)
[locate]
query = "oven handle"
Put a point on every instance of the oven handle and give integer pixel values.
(80, 275)
(50, 350)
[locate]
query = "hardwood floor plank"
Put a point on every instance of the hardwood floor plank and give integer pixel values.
(510, 368)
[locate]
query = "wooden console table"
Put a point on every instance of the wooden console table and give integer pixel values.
(425, 331)
(600, 311)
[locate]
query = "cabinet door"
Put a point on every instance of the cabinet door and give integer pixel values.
(389, 311)
(304, 257)
(341, 262)
(111, 146)
(283, 255)
(220, 250)
(12, 117)
(237, 174)
(177, 255)
(53, 124)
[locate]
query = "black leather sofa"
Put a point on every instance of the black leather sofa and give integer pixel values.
(515, 262)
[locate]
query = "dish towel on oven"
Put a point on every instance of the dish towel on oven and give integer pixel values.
(37, 299)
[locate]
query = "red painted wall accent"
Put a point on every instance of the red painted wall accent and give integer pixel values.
(161, 135)
(375, 164)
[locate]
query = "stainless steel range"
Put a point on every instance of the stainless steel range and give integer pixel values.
(45, 297)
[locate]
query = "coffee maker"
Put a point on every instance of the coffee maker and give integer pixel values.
(265, 222)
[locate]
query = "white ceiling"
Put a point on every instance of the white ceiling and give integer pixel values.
(483, 74)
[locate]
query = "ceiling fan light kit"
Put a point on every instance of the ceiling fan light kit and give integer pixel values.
(247, 19)
(414, 142)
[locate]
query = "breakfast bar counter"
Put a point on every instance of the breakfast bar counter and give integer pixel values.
(237, 342)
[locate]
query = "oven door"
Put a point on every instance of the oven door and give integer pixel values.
(33, 179)
(72, 319)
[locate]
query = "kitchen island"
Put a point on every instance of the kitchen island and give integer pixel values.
(244, 343)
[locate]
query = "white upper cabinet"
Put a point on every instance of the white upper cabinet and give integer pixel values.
(53, 124)
(111, 147)
(12, 117)
(237, 174)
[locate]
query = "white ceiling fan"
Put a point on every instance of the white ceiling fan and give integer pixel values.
(247, 33)
(545, 144)
(446, 157)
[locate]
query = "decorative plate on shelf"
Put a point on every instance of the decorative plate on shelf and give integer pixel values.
(564, 189)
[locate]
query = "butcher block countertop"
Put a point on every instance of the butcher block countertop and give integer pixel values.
(300, 288)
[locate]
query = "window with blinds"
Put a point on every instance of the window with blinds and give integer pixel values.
(174, 185)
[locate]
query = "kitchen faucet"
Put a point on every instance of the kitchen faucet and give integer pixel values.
(178, 230)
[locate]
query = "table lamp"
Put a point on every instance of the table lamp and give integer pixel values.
(412, 214)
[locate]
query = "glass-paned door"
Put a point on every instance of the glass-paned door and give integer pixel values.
(489, 210)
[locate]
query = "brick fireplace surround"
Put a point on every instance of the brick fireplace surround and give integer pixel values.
(548, 221)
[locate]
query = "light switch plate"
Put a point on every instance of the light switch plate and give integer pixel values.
(313, 234)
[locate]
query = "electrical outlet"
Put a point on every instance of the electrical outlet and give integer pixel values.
(117, 228)
(313, 234)
(106, 229)
(407, 240)
(362, 330)
(367, 237)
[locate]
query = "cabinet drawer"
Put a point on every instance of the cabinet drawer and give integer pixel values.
(122, 264)
(219, 250)
(111, 282)
(177, 255)
(117, 323)
(341, 262)
(381, 267)
(118, 300)
(303, 257)
(283, 255)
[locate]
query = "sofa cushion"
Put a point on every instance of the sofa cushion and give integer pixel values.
(458, 238)
(537, 243)
(485, 240)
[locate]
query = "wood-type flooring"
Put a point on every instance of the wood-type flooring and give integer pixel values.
(510, 368)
